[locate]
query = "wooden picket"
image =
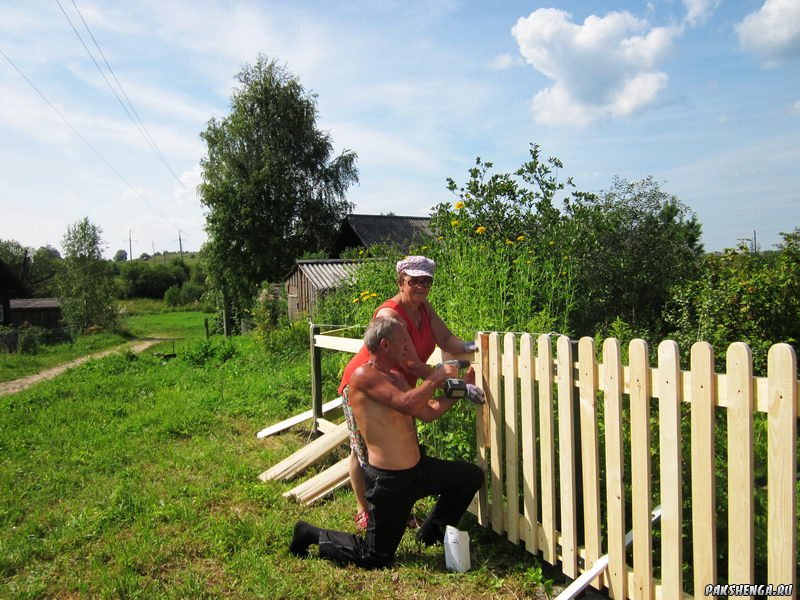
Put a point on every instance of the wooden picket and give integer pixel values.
(741, 536)
(547, 453)
(590, 451)
(669, 409)
(527, 374)
(704, 547)
(782, 466)
(615, 468)
(640, 471)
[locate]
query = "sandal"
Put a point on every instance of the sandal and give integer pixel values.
(362, 520)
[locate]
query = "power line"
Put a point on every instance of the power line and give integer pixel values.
(83, 139)
(137, 121)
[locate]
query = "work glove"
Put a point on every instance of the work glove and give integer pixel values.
(457, 388)
(475, 394)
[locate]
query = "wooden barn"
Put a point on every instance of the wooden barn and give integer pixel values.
(42, 312)
(364, 231)
(309, 279)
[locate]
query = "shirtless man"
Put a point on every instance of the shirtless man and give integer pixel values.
(399, 473)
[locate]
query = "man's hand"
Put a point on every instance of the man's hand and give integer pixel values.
(474, 393)
(461, 364)
(446, 370)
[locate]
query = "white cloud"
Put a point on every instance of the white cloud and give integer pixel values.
(796, 108)
(698, 11)
(773, 32)
(501, 62)
(186, 193)
(605, 67)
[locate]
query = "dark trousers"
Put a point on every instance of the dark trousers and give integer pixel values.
(391, 496)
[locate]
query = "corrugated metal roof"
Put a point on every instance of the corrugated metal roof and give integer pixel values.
(326, 274)
(32, 303)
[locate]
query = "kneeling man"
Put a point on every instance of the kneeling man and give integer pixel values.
(398, 473)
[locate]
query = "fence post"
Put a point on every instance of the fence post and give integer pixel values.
(316, 375)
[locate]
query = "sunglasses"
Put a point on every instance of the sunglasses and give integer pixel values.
(420, 281)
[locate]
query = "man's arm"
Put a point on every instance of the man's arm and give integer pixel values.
(436, 407)
(379, 388)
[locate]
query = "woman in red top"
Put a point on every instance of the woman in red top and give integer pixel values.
(410, 305)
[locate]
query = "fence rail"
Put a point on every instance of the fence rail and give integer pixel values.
(558, 425)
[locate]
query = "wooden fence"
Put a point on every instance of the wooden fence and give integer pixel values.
(553, 439)
(557, 427)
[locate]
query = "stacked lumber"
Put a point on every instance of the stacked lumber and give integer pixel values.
(321, 484)
(305, 457)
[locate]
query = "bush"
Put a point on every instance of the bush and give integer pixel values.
(744, 296)
(269, 311)
(30, 338)
(140, 279)
(172, 297)
(290, 341)
(9, 339)
(204, 352)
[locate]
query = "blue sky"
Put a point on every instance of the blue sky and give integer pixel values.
(704, 95)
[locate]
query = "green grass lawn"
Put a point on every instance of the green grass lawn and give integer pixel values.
(142, 321)
(14, 366)
(179, 324)
(138, 478)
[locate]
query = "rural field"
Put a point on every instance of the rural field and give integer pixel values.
(136, 477)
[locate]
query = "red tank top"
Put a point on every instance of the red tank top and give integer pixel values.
(421, 337)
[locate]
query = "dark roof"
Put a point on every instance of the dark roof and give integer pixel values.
(35, 303)
(324, 274)
(368, 230)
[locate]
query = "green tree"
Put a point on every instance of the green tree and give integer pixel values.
(120, 256)
(742, 295)
(34, 269)
(630, 246)
(86, 286)
(271, 183)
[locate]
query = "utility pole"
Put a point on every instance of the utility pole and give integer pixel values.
(130, 244)
(180, 244)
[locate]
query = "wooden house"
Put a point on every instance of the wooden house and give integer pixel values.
(309, 279)
(42, 312)
(364, 231)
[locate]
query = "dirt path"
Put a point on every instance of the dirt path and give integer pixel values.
(17, 385)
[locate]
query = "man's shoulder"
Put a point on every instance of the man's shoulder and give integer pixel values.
(363, 376)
